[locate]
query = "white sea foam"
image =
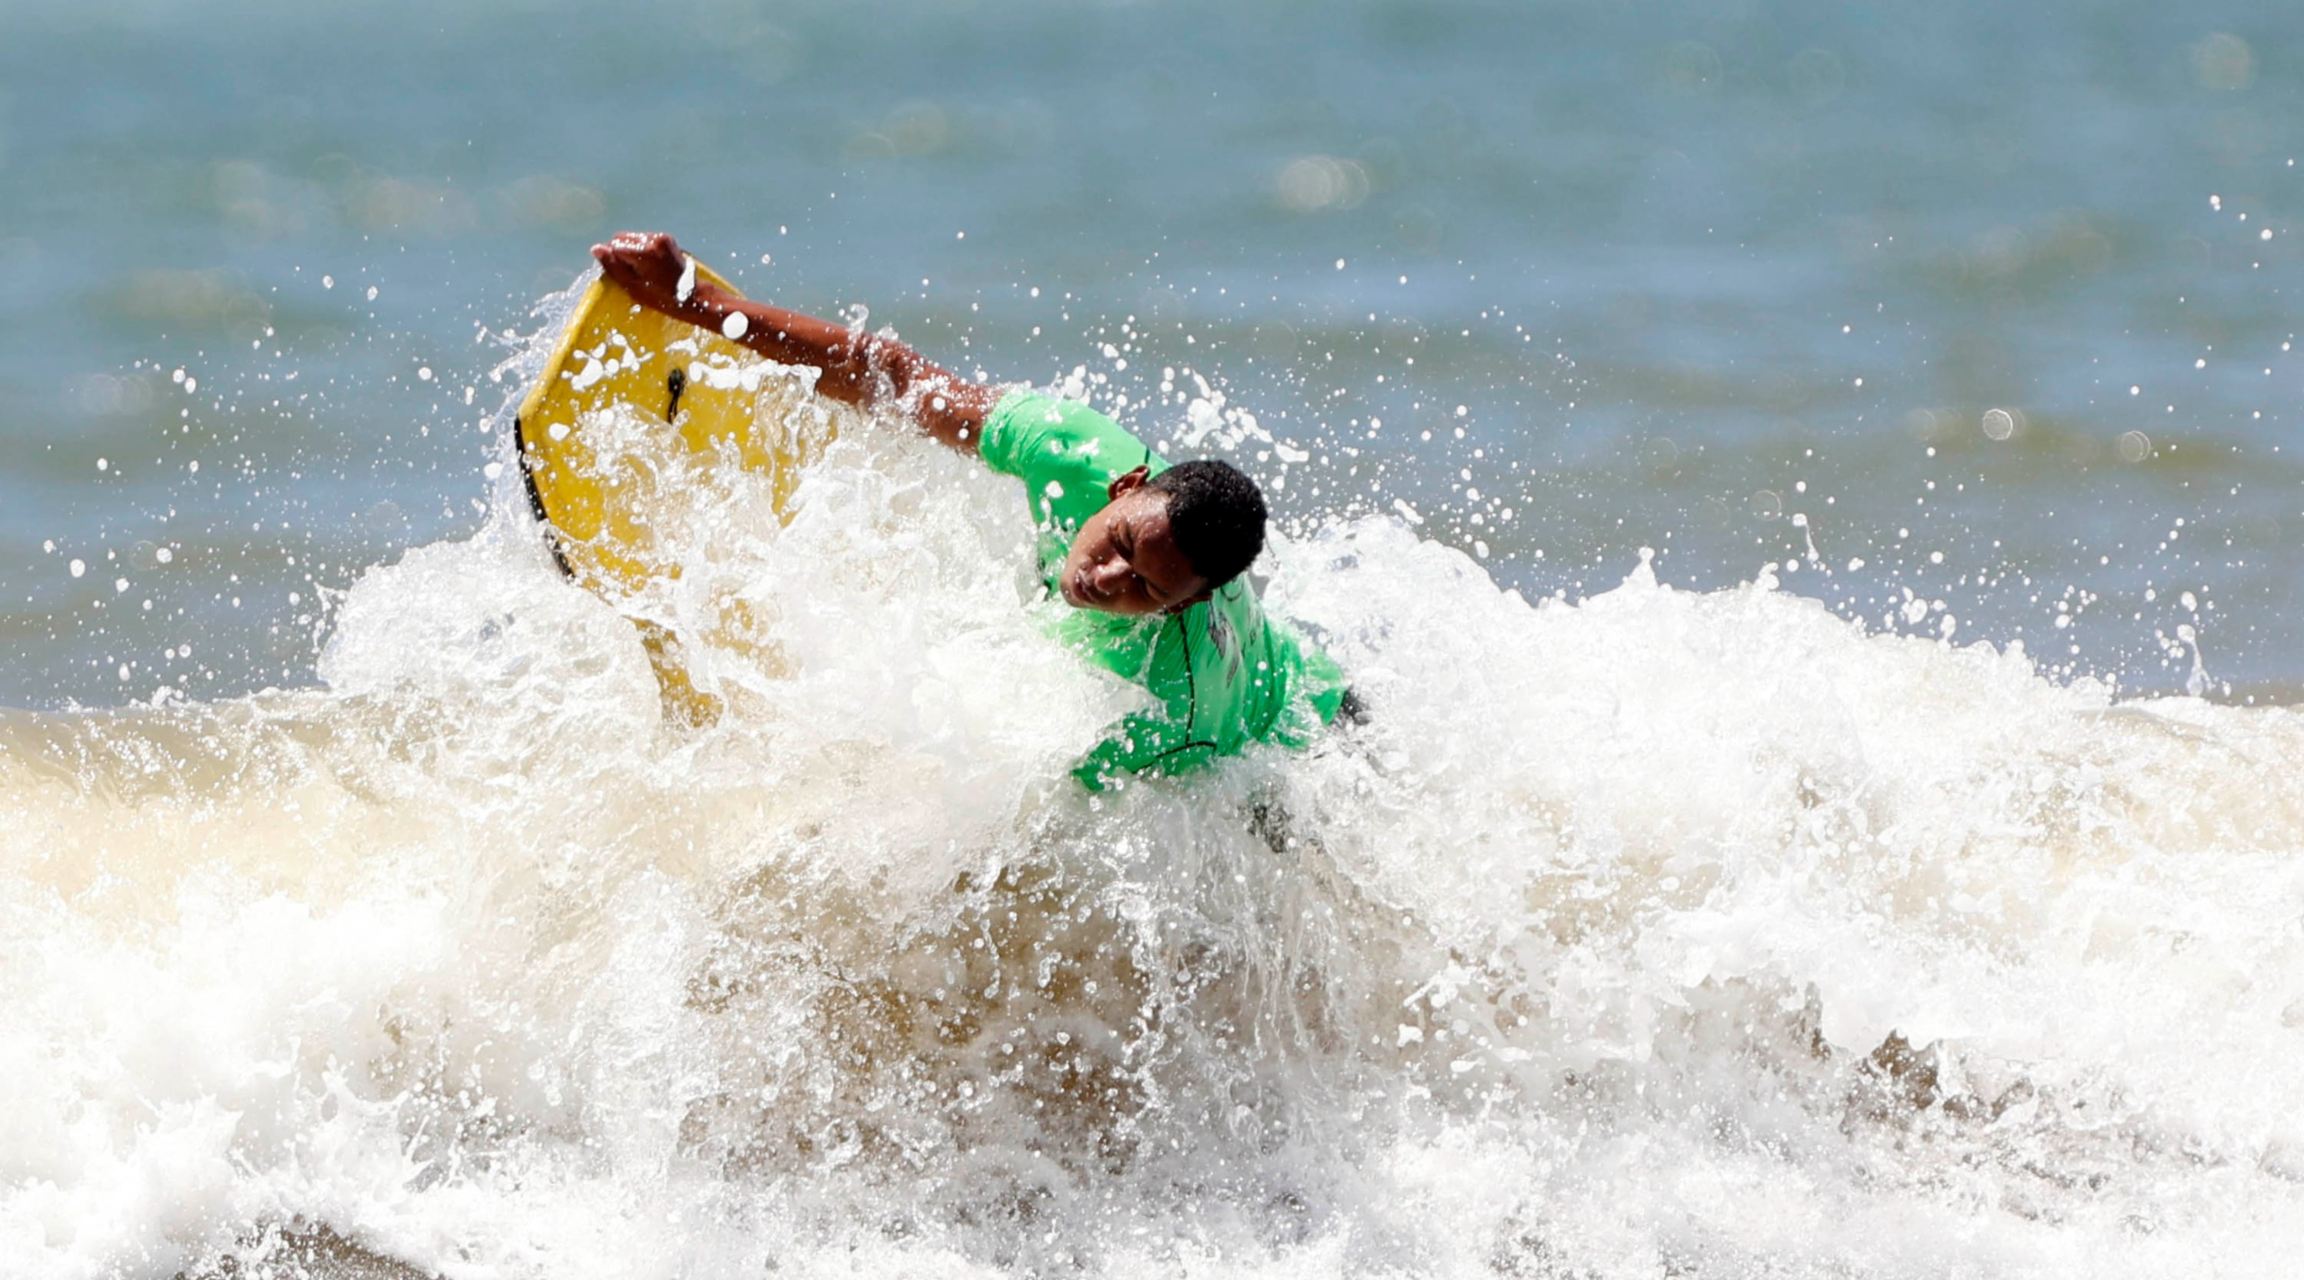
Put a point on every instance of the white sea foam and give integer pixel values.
(1661, 932)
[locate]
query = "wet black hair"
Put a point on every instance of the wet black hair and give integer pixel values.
(1216, 514)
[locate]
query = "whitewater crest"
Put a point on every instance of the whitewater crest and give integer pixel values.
(1692, 932)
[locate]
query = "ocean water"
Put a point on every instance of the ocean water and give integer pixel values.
(1810, 492)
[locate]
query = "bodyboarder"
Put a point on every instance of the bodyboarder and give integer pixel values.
(1148, 555)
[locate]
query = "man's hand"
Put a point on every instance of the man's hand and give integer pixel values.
(651, 267)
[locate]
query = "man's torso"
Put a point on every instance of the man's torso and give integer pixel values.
(1221, 674)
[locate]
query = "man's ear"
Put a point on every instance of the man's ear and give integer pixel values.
(1126, 482)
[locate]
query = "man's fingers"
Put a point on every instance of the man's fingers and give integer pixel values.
(650, 243)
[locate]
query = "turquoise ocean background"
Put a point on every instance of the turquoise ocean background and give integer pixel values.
(1690, 270)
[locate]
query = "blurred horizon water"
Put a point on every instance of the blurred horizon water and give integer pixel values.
(1730, 282)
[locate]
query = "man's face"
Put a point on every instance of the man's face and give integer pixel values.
(1124, 560)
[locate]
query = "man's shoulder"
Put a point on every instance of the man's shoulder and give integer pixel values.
(1030, 430)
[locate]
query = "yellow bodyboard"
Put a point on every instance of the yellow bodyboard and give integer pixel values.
(633, 399)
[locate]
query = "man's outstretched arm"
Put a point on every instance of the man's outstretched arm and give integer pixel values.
(860, 369)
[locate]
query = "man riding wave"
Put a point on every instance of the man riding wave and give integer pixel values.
(1150, 556)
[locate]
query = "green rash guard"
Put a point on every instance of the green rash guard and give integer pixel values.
(1221, 674)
